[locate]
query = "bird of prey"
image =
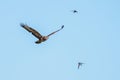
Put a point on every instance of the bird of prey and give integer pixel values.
(74, 11)
(37, 34)
(80, 64)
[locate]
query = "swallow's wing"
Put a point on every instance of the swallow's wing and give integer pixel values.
(31, 30)
(56, 31)
(75, 11)
(78, 65)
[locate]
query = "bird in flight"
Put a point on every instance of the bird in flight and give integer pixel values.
(74, 11)
(37, 34)
(80, 64)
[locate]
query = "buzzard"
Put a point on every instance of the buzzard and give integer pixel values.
(80, 64)
(37, 34)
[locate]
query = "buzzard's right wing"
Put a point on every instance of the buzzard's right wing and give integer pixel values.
(33, 31)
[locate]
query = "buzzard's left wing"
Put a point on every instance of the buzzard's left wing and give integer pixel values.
(56, 31)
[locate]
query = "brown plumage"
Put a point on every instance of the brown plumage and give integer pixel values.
(37, 34)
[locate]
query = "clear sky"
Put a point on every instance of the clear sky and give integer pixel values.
(91, 36)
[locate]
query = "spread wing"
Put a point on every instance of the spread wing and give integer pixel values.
(31, 30)
(78, 65)
(56, 31)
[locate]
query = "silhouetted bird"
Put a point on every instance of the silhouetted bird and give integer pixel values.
(80, 64)
(75, 11)
(37, 34)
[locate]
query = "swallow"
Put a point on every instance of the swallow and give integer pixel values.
(80, 64)
(74, 11)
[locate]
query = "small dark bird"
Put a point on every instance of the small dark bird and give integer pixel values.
(74, 11)
(37, 34)
(80, 64)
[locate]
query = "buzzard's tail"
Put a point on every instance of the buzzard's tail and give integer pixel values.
(56, 31)
(38, 42)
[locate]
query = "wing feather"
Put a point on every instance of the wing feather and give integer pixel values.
(56, 31)
(31, 30)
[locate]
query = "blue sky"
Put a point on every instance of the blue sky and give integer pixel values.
(92, 36)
